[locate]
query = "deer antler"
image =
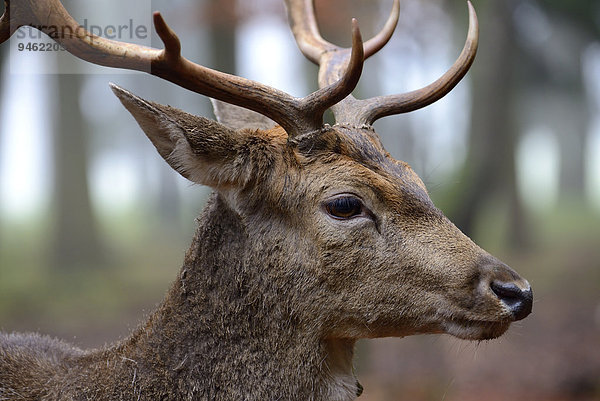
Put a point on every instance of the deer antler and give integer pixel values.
(331, 60)
(295, 115)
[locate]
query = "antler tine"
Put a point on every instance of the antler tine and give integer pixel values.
(169, 38)
(373, 109)
(308, 36)
(303, 23)
(319, 101)
(375, 44)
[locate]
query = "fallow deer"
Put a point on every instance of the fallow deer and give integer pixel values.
(314, 237)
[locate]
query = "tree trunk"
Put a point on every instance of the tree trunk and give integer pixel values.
(76, 241)
(489, 173)
(222, 34)
(572, 146)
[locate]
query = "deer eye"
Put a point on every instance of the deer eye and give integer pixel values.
(344, 207)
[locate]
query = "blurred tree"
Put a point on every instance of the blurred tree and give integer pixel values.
(526, 47)
(584, 12)
(3, 52)
(489, 173)
(223, 18)
(558, 70)
(76, 243)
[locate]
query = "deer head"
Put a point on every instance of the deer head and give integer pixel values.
(343, 234)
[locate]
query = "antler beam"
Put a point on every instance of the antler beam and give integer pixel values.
(295, 115)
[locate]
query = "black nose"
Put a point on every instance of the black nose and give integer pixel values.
(518, 301)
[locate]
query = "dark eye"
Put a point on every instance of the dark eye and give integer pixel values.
(344, 207)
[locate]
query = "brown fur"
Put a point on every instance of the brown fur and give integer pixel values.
(274, 292)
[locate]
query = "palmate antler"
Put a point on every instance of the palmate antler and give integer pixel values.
(295, 115)
(339, 72)
(332, 59)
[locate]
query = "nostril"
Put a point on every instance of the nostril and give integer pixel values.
(506, 290)
(519, 301)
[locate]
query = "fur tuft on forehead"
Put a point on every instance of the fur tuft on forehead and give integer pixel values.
(361, 145)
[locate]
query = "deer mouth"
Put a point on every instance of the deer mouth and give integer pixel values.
(473, 329)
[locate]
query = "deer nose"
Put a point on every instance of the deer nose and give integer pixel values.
(519, 301)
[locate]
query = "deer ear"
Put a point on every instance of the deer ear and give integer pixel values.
(199, 149)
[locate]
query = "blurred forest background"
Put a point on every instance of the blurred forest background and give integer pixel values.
(94, 225)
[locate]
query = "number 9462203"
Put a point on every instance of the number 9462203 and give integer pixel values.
(39, 47)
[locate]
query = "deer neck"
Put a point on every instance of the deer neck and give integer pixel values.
(221, 333)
